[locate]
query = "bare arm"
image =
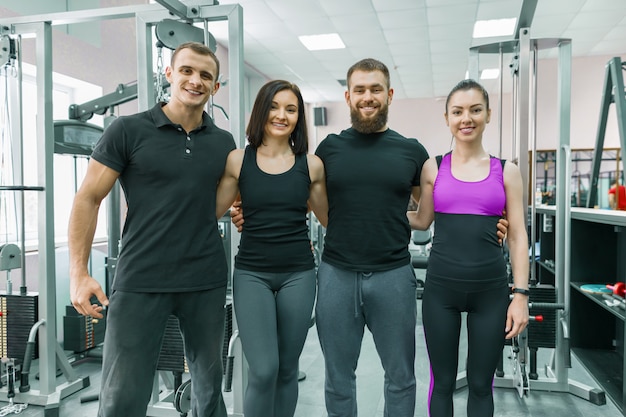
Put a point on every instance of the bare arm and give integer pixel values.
(517, 314)
(228, 188)
(422, 218)
(318, 200)
(82, 226)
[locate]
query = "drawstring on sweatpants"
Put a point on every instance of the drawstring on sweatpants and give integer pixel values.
(358, 291)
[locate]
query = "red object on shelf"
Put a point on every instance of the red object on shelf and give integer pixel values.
(618, 288)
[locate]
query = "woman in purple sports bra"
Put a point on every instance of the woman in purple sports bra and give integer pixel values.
(465, 193)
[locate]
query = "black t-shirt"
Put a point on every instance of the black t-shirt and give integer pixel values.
(369, 178)
(275, 235)
(170, 241)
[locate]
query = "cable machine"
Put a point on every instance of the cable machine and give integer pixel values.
(551, 301)
(146, 17)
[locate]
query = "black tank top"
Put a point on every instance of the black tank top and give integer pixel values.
(275, 234)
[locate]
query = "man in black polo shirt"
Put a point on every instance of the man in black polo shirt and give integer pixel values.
(169, 160)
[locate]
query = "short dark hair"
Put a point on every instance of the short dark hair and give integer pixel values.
(466, 85)
(198, 48)
(369, 65)
(261, 110)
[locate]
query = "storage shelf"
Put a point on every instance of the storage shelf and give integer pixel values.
(606, 367)
(598, 299)
(614, 217)
(597, 330)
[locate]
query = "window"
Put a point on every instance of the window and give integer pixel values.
(68, 171)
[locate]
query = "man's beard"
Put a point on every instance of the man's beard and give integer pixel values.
(363, 125)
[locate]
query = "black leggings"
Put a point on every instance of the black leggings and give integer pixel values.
(486, 318)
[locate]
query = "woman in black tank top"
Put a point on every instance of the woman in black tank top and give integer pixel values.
(274, 279)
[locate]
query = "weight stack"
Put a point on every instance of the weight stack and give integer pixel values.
(542, 334)
(81, 333)
(228, 331)
(172, 356)
(18, 314)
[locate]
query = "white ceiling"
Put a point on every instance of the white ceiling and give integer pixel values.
(425, 43)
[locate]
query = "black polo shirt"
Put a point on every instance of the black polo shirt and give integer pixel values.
(170, 241)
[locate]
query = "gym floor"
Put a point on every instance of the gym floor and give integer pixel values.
(370, 388)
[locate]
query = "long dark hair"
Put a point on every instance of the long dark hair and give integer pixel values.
(263, 104)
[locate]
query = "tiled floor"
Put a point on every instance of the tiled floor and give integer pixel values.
(370, 386)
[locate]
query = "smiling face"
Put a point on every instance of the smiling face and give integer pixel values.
(368, 97)
(193, 78)
(283, 115)
(467, 114)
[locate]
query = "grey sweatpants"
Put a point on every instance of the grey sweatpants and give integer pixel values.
(273, 312)
(347, 301)
(132, 342)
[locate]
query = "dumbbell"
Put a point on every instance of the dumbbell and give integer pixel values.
(618, 288)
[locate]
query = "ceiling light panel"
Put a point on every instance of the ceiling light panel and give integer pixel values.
(489, 74)
(494, 28)
(322, 42)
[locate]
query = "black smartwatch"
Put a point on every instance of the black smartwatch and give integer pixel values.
(521, 291)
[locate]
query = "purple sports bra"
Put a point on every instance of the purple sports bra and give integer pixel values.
(486, 197)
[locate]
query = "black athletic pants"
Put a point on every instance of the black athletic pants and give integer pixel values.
(486, 318)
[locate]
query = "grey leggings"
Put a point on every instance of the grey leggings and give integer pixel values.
(273, 312)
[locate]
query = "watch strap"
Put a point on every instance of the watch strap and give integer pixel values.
(521, 291)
